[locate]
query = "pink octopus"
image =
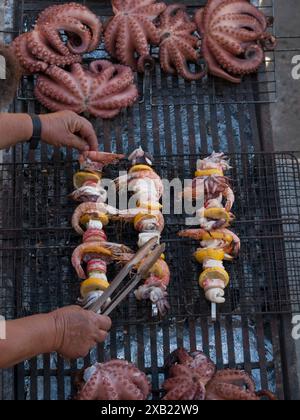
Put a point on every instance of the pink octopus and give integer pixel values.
(114, 380)
(102, 90)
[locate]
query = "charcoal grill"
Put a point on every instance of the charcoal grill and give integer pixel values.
(177, 122)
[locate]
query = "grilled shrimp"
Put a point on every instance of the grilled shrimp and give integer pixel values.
(95, 209)
(107, 250)
(222, 238)
(96, 161)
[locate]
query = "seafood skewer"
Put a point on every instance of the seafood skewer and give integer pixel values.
(148, 220)
(89, 220)
(217, 243)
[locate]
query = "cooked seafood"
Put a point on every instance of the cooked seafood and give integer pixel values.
(217, 243)
(193, 376)
(88, 220)
(114, 380)
(146, 216)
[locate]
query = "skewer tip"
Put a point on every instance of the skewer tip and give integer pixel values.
(214, 312)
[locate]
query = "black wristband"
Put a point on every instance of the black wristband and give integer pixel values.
(37, 132)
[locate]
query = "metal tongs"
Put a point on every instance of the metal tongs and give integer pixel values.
(150, 253)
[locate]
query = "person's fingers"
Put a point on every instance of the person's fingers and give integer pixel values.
(77, 143)
(87, 132)
(101, 336)
(103, 322)
(83, 352)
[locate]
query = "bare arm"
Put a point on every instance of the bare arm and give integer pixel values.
(26, 338)
(70, 331)
(60, 129)
(14, 128)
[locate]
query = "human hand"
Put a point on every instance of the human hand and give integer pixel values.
(68, 129)
(78, 331)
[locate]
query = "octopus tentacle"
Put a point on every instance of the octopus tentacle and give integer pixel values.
(214, 67)
(254, 56)
(117, 82)
(48, 89)
(187, 51)
(230, 392)
(52, 34)
(181, 65)
(192, 376)
(231, 385)
(27, 60)
(41, 49)
(150, 30)
(115, 101)
(236, 21)
(44, 44)
(55, 104)
(101, 113)
(138, 38)
(166, 61)
(178, 44)
(236, 375)
(178, 390)
(266, 394)
(229, 43)
(77, 12)
(130, 32)
(61, 77)
(240, 7)
(199, 20)
(234, 36)
(152, 11)
(111, 35)
(189, 374)
(125, 51)
(114, 380)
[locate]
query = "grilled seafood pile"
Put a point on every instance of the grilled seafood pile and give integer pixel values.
(193, 376)
(148, 220)
(89, 220)
(231, 36)
(54, 50)
(217, 242)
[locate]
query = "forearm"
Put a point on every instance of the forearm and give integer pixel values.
(14, 128)
(27, 338)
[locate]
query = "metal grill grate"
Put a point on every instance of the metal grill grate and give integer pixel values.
(38, 240)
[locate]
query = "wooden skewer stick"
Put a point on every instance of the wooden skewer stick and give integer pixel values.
(214, 312)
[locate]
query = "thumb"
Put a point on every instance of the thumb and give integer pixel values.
(76, 142)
